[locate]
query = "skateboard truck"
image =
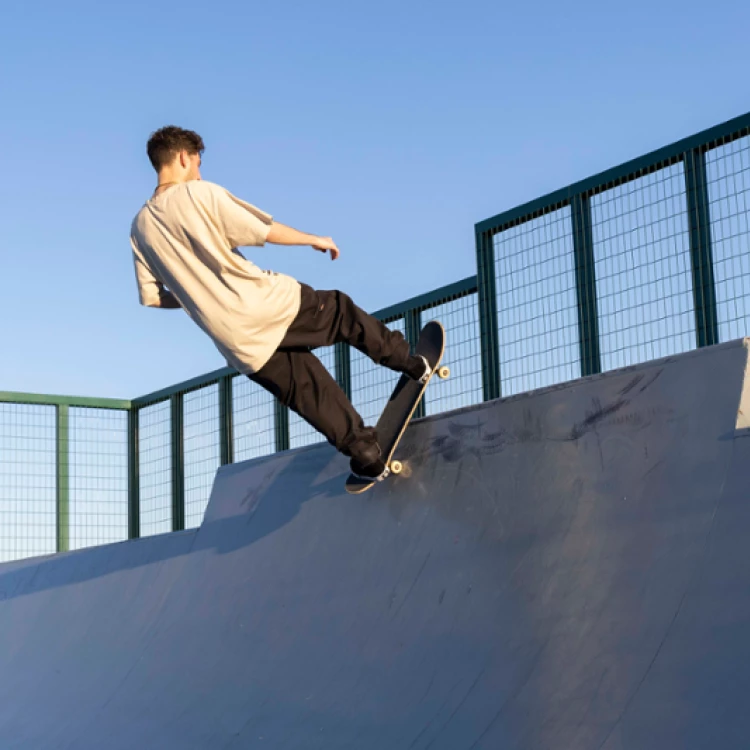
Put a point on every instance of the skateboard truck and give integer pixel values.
(384, 475)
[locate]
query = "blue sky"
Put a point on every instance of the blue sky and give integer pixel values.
(393, 127)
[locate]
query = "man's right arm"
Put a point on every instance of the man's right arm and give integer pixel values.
(151, 291)
(165, 301)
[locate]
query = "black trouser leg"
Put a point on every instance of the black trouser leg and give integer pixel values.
(298, 379)
(327, 318)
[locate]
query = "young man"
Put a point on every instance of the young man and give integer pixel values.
(185, 241)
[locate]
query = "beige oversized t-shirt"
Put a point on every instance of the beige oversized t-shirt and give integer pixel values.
(186, 239)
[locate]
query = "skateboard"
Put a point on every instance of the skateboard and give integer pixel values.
(402, 404)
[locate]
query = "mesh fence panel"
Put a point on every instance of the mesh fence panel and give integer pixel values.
(300, 432)
(643, 269)
(202, 450)
(28, 481)
(728, 177)
(372, 384)
(253, 410)
(537, 303)
(460, 318)
(98, 465)
(155, 453)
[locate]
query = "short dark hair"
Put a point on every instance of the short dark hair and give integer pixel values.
(167, 142)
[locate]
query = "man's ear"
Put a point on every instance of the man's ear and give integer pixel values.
(184, 159)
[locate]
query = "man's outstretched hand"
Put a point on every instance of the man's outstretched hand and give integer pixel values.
(326, 244)
(281, 234)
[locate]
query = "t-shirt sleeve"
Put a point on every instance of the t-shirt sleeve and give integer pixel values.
(242, 223)
(151, 291)
(149, 287)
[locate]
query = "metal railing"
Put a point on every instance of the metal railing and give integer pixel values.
(63, 473)
(649, 259)
(645, 260)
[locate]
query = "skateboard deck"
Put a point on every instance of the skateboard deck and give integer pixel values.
(402, 404)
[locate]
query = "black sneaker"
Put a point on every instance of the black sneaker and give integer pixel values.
(419, 368)
(371, 471)
(369, 463)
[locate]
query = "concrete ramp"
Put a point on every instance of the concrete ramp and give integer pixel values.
(564, 569)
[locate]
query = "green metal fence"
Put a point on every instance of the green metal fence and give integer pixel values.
(646, 260)
(63, 473)
(77, 472)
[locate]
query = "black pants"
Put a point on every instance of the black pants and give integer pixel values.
(296, 377)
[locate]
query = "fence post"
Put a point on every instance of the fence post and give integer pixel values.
(342, 354)
(134, 500)
(226, 420)
(487, 301)
(178, 463)
(281, 426)
(63, 478)
(701, 254)
(588, 316)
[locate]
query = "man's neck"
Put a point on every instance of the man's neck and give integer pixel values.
(166, 180)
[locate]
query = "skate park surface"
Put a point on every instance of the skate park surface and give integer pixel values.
(567, 568)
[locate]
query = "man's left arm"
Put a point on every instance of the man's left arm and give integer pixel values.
(246, 225)
(281, 234)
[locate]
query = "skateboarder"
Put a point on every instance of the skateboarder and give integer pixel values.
(185, 241)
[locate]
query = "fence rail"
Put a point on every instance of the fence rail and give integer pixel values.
(648, 259)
